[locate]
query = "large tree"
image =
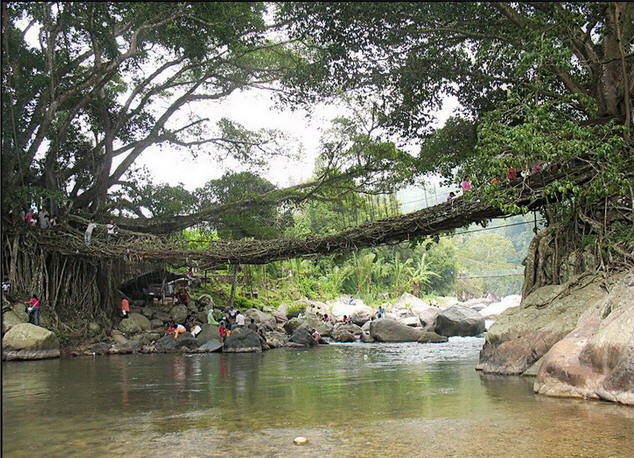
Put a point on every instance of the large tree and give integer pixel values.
(88, 87)
(536, 82)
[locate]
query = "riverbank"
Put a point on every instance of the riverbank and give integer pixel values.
(409, 319)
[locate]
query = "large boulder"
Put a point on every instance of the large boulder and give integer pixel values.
(313, 307)
(263, 320)
(362, 315)
(362, 312)
(310, 321)
(412, 321)
(302, 337)
(431, 337)
(242, 340)
(410, 302)
(156, 324)
(595, 360)
(187, 340)
(119, 339)
(275, 339)
(523, 335)
(496, 308)
(179, 313)
(129, 326)
(167, 344)
(389, 330)
(211, 346)
(163, 316)
(10, 319)
(27, 341)
(427, 317)
(209, 332)
(141, 320)
(343, 335)
(293, 324)
(280, 317)
(459, 321)
(349, 327)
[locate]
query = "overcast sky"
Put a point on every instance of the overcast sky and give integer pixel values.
(255, 110)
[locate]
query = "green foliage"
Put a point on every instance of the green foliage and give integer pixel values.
(257, 221)
(295, 309)
(243, 303)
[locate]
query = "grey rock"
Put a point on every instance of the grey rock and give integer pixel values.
(209, 332)
(167, 344)
(119, 339)
(459, 321)
(26, 336)
(242, 340)
(389, 330)
(129, 326)
(342, 335)
(275, 339)
(156, 324)
(142, 321)
(432, 337)
(179, 313)
(302, 337)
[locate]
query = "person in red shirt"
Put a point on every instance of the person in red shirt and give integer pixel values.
(34, 310)
(222, 331)
(512, 173)
(125, 307)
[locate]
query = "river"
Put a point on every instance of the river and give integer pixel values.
(346, 399)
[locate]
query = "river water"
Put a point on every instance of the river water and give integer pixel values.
(346, 399)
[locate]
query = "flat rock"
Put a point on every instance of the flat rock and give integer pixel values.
(389, 330)
(432, 337)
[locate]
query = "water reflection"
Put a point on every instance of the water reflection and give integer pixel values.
(352, 399)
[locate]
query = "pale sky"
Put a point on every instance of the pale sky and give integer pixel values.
(254, 109)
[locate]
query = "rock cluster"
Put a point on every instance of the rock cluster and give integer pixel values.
(576, 338)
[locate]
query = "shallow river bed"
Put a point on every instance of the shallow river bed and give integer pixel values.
(347, 399)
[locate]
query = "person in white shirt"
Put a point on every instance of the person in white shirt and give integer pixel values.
(88, 234)
(112, 230)
(240, 320)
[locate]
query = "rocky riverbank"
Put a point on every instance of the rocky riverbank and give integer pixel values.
(409, 319)
(577, 339)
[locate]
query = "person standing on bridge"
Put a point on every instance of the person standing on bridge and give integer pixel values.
(88, 234)
(112, 230)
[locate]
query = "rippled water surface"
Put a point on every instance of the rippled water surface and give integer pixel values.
(347, 399)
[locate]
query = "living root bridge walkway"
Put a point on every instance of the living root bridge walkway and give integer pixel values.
(430, 221)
